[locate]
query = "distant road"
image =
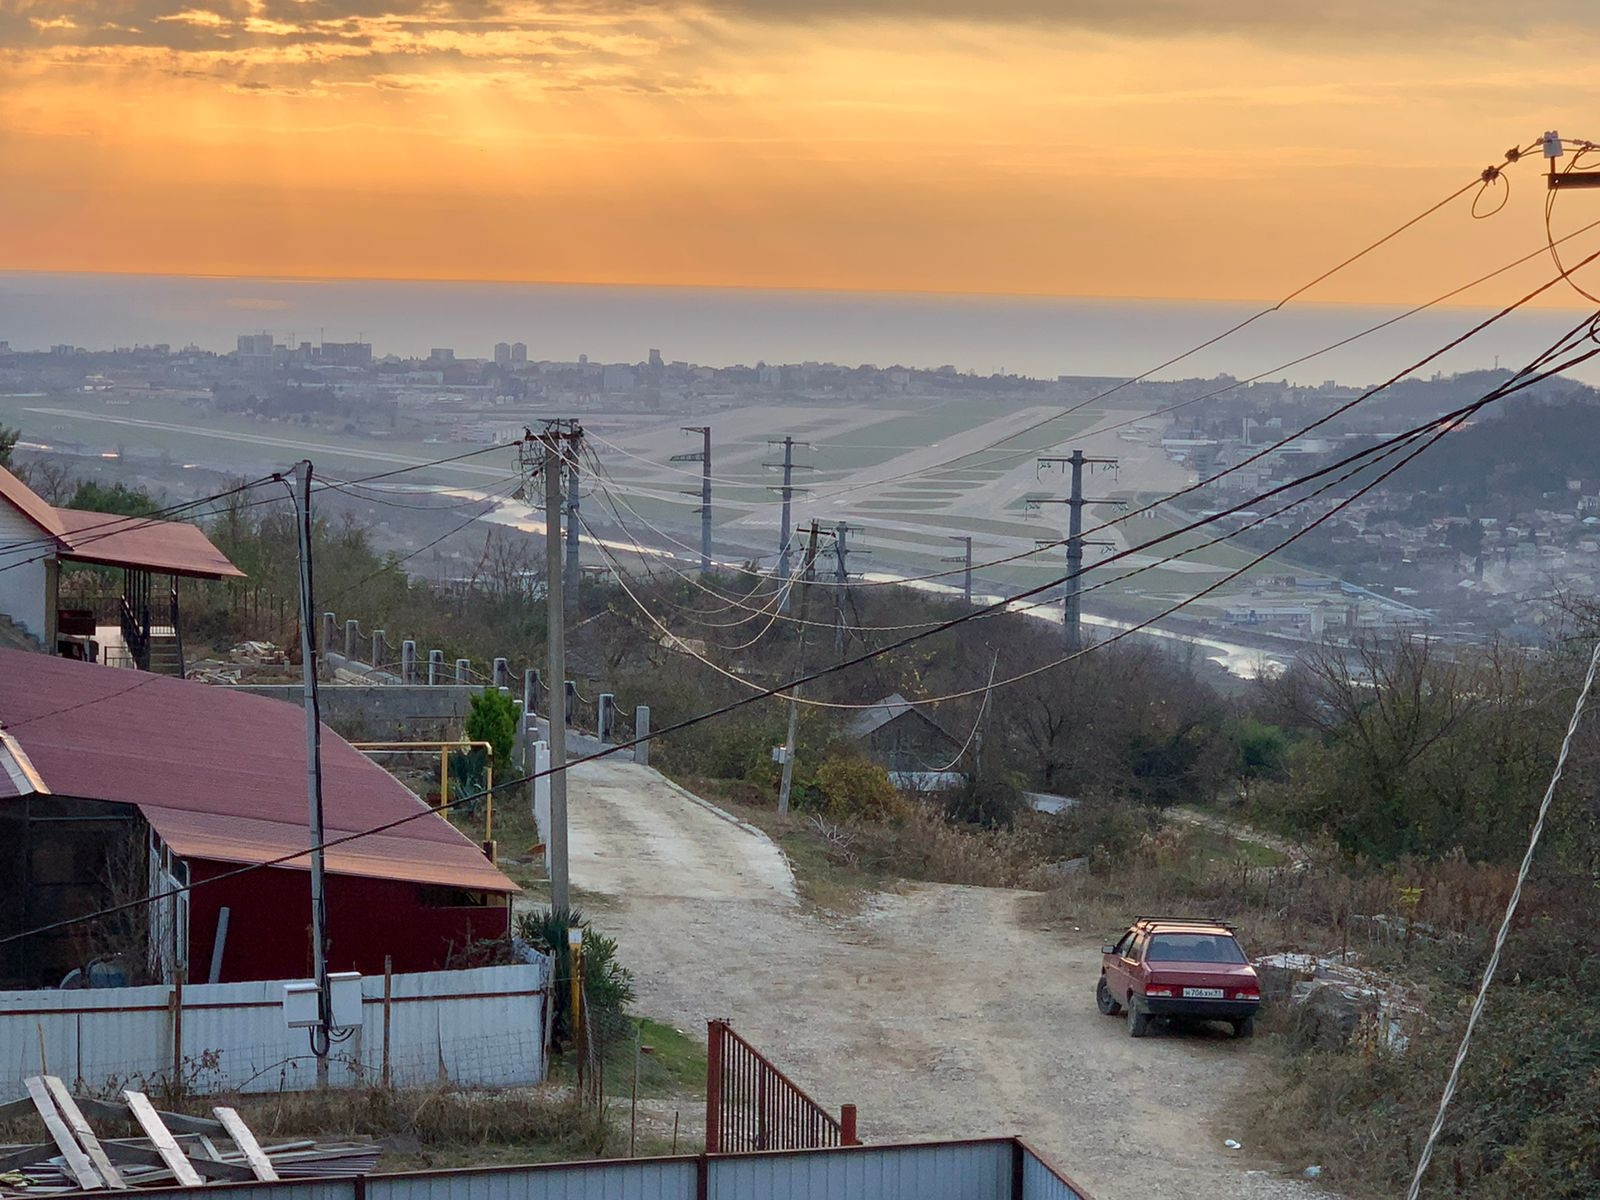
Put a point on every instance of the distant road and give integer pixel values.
(301, 446)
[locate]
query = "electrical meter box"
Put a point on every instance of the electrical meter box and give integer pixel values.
(300, 1001)
(300, 1004)
(345, 987)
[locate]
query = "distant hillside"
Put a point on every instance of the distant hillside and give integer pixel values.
(1508, 462)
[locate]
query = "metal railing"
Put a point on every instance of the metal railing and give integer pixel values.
(752, 1105)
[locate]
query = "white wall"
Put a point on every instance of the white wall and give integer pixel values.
(479, 1028)
(22, 583)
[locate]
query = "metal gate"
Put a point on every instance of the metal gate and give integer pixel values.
(752, 1105)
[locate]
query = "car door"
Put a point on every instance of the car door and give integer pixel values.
(1132, 960)
(1116, 976)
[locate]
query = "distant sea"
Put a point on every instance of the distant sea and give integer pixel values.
(1040, 337)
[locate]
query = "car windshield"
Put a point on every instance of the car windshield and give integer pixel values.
(1194, 947)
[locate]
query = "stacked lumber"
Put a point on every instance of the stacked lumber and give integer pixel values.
(177, 1150)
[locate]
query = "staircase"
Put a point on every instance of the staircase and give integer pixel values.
(165, 654)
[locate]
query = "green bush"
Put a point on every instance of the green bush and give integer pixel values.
(986, 803)
(854, 787)
(608, 985)
(493, 719)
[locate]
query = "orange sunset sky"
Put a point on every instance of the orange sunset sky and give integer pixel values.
(1183, 148)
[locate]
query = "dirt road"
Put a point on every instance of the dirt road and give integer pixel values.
(934, 1010)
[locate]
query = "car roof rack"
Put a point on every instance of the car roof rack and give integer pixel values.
(1183, 920)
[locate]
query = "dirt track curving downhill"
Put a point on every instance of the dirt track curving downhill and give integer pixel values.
(934, 1009)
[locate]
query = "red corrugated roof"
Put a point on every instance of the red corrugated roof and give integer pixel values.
(165, 547)
(26, 501)
(222, 775)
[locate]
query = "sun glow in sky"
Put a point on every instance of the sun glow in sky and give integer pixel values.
(1182, 148)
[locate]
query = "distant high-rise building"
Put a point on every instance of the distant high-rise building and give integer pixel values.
(441, 354)
(655, 360)
(519, 353)
(345, 354)
(255, 353)
(255, 343)
(583, 360)
(502, 354)
(616, 377)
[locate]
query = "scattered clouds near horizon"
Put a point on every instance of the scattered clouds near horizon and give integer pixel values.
(1077, 146)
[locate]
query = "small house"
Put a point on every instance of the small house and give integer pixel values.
(900, 737)
(116, 787)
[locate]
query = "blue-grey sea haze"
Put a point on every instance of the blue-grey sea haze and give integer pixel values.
(1041, 337)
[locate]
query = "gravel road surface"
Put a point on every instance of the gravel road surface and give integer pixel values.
(934, 1009)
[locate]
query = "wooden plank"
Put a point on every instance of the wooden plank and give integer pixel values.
(246, 1141)
(143, 1155)
(78, 1164)
(161, 1137)
(12, 1157)
(85, 1135)
(111, 1110)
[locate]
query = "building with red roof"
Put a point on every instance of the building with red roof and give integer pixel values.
(140, 627)
(117, 785)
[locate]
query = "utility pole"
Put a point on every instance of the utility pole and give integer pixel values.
(1071, 608)
(800, 667)
(841, 577)
(320, 1042)
(572, 523)
(784, 532)
(547, 454)
(966, 576)
(704, 459)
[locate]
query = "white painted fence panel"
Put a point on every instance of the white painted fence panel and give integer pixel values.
(482, 1027)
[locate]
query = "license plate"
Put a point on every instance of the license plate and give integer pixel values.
(1203, 993)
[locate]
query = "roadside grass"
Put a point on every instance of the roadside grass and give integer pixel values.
(1217, 847)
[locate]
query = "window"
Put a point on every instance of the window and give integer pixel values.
(1195, 948)
(1135, 948)
(446, 897)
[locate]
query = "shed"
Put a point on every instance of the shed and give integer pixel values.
(899, 736)
(117, 785)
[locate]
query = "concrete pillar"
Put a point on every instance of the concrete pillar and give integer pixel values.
(530, 691)
(380, 649)
(572, 702)
(641, 729)
(329, 623)
(463, 670)
(605, 718)
(435, 667)
(352, 633)
(502, 673)
(541, 796)
(519, 741)
(408, 661)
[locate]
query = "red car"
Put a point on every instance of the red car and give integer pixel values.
(1178, 967)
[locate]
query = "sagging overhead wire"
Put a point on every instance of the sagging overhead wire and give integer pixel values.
(1514, 155)
(1442, 425)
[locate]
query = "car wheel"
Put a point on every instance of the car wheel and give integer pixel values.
(1244, 1027)
(1105, 1001)
(1138, 1022)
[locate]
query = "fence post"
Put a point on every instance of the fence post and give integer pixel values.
(605, 716)
(388, 1003)
(572, 701)
(352, 634)
(463, 670)
(380, 649)
(641, 729)
(847, 1125)
(435, 667)
(530, 691)
(408, 661)
(715, 1035)
(330, 622)
(502, 673)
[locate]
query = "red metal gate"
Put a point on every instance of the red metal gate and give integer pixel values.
(751, 1105)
